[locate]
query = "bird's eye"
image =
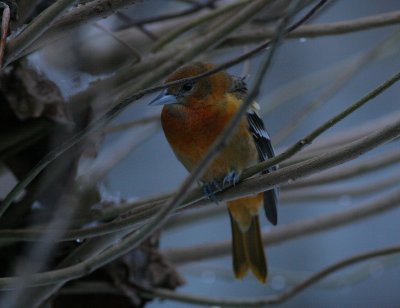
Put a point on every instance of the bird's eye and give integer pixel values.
(187, 87)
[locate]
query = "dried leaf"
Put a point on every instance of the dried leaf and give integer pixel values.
(144, 268)
(31, 95)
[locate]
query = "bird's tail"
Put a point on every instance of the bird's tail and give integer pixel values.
(248, 251)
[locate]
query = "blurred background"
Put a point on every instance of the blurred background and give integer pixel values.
(312, 78)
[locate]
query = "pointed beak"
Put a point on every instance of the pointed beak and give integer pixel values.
(164, 99)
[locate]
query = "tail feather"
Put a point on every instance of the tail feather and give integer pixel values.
(240, 263)
(255, 250)
(270, 205)
(248, 252)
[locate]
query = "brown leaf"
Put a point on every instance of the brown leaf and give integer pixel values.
(144, 268)
(31, 95)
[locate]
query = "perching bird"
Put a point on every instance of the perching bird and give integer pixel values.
(193, 116)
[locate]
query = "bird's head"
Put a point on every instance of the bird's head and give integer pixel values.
(196, 94)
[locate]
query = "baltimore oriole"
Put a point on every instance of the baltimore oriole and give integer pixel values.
(193, 116)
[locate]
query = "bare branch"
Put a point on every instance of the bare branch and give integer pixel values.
(81, 15)
(293, 196)
(135, 53)
(193, 23)
(261, 183)
(193, 9)
(35, 29)
(345, 172)
(281, 234)
(341, 80)
(349, 136)
(128, 125)
(311, 137)
(5, 23)
(336, 194)
(256, 34)
(275, 299)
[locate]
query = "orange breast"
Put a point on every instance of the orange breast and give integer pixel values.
(192, 132)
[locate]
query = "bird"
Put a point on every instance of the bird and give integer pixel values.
(193, 116)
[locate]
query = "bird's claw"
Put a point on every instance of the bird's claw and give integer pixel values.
(230, 179)
(210, 189)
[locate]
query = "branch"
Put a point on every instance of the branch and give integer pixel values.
(274, 299)
(35, 29)
(317, 148)
(371, 164)
(165, 39)
(123, 75)
(339, 82)
(281, 234)
(257, 49)
(5, 23)
(133, 51)
(311, 137)
(343, 27)
(112, 155)
(145, 209)
(85, 266)
(81, 15)
(347, 136)
(152, 62)
(131, 124)
(210, 4)
(287, 197)
(334, 194)
(84, 251)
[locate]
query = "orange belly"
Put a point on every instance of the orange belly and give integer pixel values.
(192, 133)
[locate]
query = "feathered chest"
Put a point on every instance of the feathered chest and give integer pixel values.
(193, 128)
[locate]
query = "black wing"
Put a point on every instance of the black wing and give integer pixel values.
(265, 151)
(263, 144)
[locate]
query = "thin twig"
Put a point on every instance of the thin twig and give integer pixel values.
(281, 234)
(127, 125)
(132, 50)
(84, 251)
(275, 299)
(123, 75)
(335, 28)
(311, 195)
(371, 164)
(210, 4)
(346, 136)
(144, 210)
(35, 29)
(292, 196)
(108, 158)
(321, 129)
(254, 51)
(200, 45)
(90, 264)
(152, 36)
(383, 160)
(5, 22)
(155, 61)
(339, 82)
(169, 37)
(303, 84)
(82, 14)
